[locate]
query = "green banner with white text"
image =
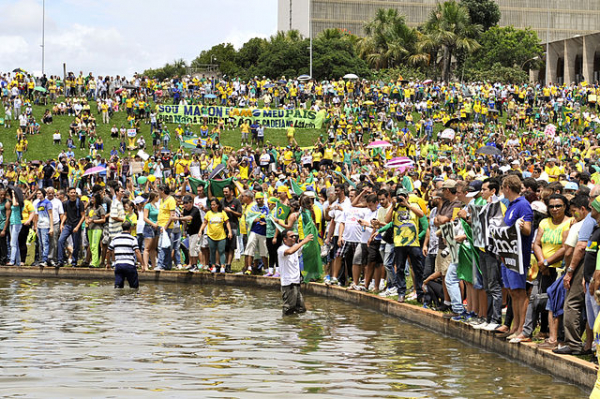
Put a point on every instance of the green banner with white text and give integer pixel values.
(269, 118)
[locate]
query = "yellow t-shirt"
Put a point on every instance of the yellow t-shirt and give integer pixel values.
(215, 229)
(406, 228)
(164, 211)
(133, 220)
(552, 238)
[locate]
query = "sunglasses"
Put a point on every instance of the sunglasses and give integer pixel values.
(293, 236)
(554, 206)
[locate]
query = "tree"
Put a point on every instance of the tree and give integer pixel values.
(388, 41)
(508, 47)
(286, 55)
(223, 54)
(449, 27)
(177, 68)
(483, 12)
(334, 55)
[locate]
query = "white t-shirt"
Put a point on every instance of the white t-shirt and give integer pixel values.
(353, 231)
(337, 215)
(368, 215)
(573, 235)
(289, 266)
(57, 210)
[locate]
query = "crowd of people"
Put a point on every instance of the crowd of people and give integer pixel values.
(376, 192)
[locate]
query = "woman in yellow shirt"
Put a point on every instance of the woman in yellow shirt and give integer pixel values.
(215, 222)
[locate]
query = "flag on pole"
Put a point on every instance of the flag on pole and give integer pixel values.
(311, 252)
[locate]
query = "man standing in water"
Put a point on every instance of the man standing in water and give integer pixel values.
(289, 267)
(124, 248)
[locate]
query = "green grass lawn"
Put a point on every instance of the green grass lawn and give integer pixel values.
(41, 146)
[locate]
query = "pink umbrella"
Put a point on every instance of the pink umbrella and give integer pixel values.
(119, 91)
(94, 170)
(550, 130)
(379, 144)
(400, 162)
(428, 81)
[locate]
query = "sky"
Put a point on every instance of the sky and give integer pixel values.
(121, 37)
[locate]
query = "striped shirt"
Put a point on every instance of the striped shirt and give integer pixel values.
(116, 211)
(124, 246)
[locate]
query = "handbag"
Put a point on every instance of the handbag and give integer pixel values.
(165, 240)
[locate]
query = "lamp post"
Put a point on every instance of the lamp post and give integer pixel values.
(531, 59)
(43, 32)
(310, 49)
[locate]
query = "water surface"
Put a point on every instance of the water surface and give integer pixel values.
(85, 339)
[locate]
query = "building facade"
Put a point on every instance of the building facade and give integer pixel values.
(552, 19)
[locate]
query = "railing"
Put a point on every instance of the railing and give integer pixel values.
(203, 68)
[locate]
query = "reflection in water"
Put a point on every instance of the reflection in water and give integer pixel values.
(73, 338)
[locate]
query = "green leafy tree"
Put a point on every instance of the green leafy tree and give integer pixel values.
(286, 55)
(449, 27)
(177, 68)
(223, 54)
(388, 41)
(508, 47)
(483, 12)
(334, 55)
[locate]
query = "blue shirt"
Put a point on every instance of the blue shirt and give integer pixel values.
(588, 226)
(517, 209)
(258, 228)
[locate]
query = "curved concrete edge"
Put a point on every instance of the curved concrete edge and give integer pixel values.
(568, 368)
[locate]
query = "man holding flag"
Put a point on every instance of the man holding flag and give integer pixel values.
(256, 223)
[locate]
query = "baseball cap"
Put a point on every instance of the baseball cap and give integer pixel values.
(572, 186)
(449, 184)
(474, 188)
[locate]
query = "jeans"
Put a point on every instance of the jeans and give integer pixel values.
(176, 244)
(128, 272)
(66, 232)
(415, 255)
(164, 254)
(44, 241)
(591, 307)
(53, 249)
(15, 252)
(387, 254)
(213, 247)
(492, 284)
(453, 287)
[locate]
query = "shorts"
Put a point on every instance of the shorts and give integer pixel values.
(442, 263)
(244, 136)
(374, 256)
(194, 241)
(150, 232)
(361, 255)
(256, 241)
(348, 247)
(203, 241)
(231, 245)
(513, 280)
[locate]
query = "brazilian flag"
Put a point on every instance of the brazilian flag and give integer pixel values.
(217, 186)
(194, 183)
(311, 252)
(282, 211)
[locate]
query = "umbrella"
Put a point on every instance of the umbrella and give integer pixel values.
(493, 111)
(94, 170)
(197, 151)
(451, 121)
(268, 85)
(428, 81)
(119, 91)
(40, 89)
(379, 144)
(488, 150)
(304, 77)
(448, 134)
(282, 81)
(18, 194)
(369, 103)
(216, 171)
(550, 130)
(350, 76)
(19, 70)
(131, 87)
(400, 162)
(165, 151)
(210, 96)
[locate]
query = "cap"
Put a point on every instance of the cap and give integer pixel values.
(572, 186)
(310, 194)
(515, 162)
(139, 200)
(402, 191)
(449, 184)
(259, 195)
(474, 188)
(540, 207)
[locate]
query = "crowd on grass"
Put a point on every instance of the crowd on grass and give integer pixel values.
(395, 163)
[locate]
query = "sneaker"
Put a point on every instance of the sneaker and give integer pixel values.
(475, 321)
(461, 317)
(334, 281)
(192, 269)
(327, 280)
(481, 326)
(269, 274)
(222, 269)
(214, 269)
(248, 272)
(227, 268)
(158, 269)
(491, 327)
(277, 275)
(42, 264)
(179, 267)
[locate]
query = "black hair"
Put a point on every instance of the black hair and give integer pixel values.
(219, 205)
(579, 201)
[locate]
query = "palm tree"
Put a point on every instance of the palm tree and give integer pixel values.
(388, 39)
(449, 26)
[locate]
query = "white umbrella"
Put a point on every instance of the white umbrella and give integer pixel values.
(304, 77)
(448, 134)
(350, 76)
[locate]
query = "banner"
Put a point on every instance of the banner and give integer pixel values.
(448, 235)
(506, 243)
(269, 118)
(477, 213)
(492, 217)
(137, 167)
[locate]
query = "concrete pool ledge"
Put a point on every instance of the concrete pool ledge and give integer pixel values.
(568, 368)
